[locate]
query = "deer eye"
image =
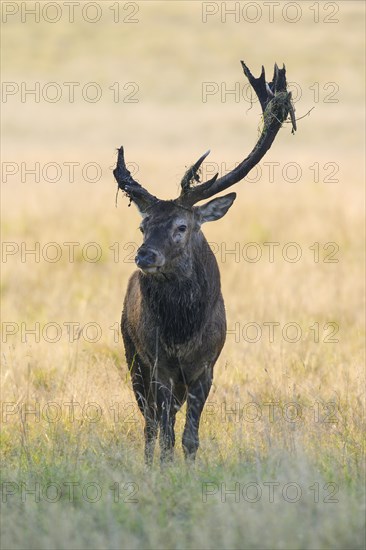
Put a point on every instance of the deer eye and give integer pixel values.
(182, 228)
(141, 229)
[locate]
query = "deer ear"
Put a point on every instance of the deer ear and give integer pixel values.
(215, 209)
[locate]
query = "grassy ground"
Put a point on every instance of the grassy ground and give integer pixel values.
(281, 462)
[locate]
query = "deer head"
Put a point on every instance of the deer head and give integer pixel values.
(170, 226)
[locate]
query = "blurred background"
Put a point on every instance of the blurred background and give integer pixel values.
(164, 80)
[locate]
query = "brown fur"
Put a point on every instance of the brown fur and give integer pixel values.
(174, 325)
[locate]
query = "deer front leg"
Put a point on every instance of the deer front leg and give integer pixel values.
(197, 395)
(145, 401)
(151, 433)
(167, 413)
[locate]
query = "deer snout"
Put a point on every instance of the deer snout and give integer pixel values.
(148, 259)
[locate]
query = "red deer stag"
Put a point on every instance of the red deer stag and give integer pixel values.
(173, 320)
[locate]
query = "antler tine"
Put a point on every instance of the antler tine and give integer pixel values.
(131, 187)
(276, 105)
(191, 174)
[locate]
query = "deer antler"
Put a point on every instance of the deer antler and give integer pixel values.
(276, 106)
(140, 196)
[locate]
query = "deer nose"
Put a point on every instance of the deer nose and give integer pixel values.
(148, 257)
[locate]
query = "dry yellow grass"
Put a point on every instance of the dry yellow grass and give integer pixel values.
(297, 408)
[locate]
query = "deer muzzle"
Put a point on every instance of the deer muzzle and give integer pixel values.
(149, 259)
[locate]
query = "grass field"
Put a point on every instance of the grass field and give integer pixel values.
(281, 463)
